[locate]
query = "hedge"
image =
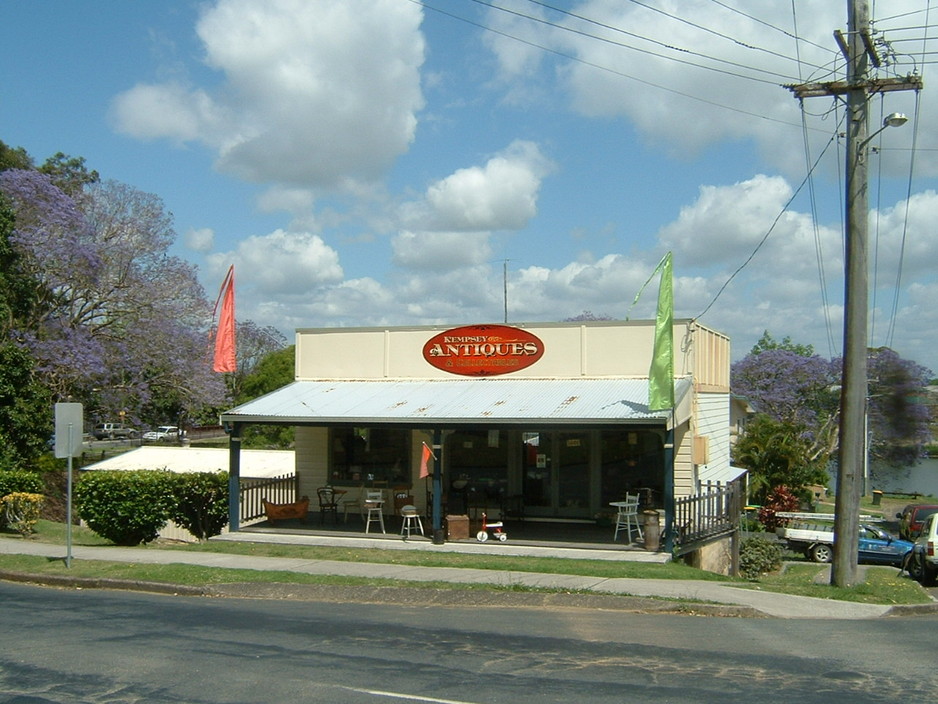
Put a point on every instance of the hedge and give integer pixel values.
(131, 507)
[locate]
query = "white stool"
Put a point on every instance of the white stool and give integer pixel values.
(411, 520)
(375, 514)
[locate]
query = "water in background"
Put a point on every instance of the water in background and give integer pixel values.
(920, 479)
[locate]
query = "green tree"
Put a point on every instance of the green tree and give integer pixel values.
(275, 370)
(778, 453)
(272, 372)
(69, 173)
(767, 342)
(14, 158)
(25, 422)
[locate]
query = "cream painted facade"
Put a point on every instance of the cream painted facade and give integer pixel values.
(561, 466)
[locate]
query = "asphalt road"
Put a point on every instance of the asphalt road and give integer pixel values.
(100, 647)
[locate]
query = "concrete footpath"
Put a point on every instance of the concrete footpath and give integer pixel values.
(744, 601)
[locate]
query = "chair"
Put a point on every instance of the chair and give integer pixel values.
(627, 517)
(373, 509)
(353, 502)
(411, 521)
(327, 503)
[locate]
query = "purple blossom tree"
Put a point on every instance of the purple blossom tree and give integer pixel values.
(801, 391)
(123, 325)
(898, 417)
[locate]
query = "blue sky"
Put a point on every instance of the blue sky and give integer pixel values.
(376, 162)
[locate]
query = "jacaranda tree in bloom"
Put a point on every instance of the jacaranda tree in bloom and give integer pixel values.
(898, 416)
(798, 395)
(122, 325)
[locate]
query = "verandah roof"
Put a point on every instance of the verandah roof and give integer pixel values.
(438, 402)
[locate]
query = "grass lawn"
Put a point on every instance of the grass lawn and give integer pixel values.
(883, 584)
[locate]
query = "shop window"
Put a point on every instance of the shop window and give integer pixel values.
(370, 455)
(632, 461)
(477, 462)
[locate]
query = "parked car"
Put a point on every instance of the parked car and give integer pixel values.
(875, 546)
(163, 433)
(113, 431)
(923, 563)
(912, 517)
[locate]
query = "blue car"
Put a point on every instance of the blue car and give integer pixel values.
(878, 547)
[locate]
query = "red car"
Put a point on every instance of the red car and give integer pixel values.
(912, 518)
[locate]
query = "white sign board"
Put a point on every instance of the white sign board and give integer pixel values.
(69, 426)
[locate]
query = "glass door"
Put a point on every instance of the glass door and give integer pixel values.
(573, 474)
(537, 480)
(556, 474)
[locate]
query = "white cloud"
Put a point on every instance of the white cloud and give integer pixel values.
(282, 263)
(313, 92)
(200, 240)
(440, 251)
(728, 223)
(168, 110)
(691, 74)
(500, 195)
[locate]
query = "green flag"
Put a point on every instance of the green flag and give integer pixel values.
(661, 374)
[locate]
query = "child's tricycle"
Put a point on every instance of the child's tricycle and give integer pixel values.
(495, 528)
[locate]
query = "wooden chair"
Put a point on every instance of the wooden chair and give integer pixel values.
(627, 517)
(327, 503)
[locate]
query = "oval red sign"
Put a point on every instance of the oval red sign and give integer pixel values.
(483, 350)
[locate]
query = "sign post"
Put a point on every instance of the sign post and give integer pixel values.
(69, 425)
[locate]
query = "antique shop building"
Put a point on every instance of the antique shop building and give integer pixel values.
(552, 416)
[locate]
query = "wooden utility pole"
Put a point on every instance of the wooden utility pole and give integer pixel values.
(859, 51)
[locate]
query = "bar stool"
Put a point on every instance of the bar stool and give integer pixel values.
(411, 521)
(374, 513)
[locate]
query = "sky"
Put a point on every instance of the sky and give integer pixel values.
(395, 162)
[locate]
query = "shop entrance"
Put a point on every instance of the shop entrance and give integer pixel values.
(556, 476)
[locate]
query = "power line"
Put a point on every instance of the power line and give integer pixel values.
(621, 74)
(660, 43)
(768, 232)
(656, 42)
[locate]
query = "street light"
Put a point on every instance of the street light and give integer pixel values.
(893, 119)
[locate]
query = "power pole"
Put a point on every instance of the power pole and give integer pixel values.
(859, 51)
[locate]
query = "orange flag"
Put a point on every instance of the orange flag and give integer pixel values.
(225, 334)
(425, 456)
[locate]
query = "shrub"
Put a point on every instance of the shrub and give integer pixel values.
(12, 480)
(21, 511)
(759, 555)
(781, 499)
(126, 508)
(18, 480)
(201, 502)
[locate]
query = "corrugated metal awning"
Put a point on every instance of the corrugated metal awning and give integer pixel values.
(436, 402)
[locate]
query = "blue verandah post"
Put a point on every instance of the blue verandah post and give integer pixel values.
(438, 537)
(234, 479)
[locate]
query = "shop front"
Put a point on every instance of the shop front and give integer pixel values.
(547, 421)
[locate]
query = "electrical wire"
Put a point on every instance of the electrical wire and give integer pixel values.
(798, 40)
(623, 45)
(771, 228)
(615, 72)
(612, 28)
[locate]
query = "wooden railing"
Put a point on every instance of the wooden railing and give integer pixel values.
(278, 490)
(710, 514)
